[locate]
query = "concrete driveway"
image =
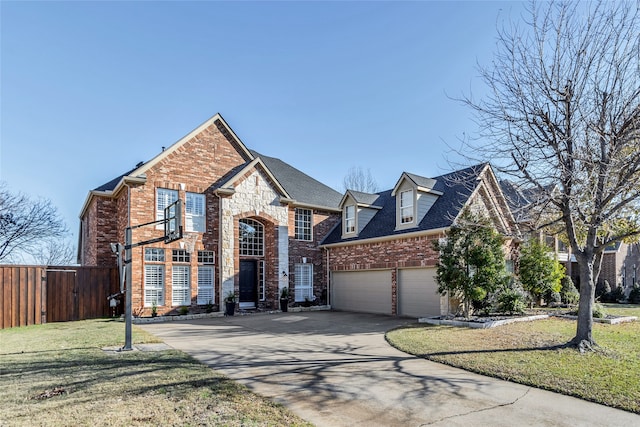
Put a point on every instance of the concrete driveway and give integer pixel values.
(336, 369)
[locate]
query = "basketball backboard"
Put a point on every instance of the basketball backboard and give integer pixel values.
(173, 222)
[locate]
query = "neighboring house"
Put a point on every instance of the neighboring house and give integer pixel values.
(381, 255)
(252, 225)
(621, 266)
(620, 262)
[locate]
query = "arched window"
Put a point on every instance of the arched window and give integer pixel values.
(251, 238)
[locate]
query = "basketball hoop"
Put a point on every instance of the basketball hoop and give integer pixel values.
(188, 242)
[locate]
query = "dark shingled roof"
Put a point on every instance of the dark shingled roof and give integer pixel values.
(456, 188)
(365, 198)
(300, 186)
(111, 185)
(421, 181)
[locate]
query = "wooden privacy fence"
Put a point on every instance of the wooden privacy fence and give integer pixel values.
(30, 295)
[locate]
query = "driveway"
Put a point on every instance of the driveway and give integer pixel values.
(336, 369)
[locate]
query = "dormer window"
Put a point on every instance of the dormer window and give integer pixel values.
(406, 207)
(350, 219)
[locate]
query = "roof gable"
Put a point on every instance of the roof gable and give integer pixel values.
(365, 200)
(455, 189)
(300, 187)
(420, 183)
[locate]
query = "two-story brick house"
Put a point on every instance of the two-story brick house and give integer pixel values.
(252, 224)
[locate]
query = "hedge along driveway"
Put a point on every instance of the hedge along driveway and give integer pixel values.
(335, 368)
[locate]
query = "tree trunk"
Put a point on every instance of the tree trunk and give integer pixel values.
(584, 338)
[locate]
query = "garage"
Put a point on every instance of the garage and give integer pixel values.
(417, 292)
(363, 291)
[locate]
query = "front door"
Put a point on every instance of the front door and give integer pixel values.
(248, 284)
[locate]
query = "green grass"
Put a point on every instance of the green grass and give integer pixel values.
(532, 353)
(127, 388)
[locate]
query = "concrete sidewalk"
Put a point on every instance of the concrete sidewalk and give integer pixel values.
(336, 369)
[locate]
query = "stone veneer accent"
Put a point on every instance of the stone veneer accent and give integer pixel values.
(254, 198)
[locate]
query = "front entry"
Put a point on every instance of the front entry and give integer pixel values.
(248, 284)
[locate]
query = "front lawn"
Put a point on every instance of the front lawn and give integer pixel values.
(57, 375)
(531, 353)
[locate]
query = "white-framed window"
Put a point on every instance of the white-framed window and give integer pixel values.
(154, 254)
(153, 284)
(180, 293)
(206, 293)
(206, 257)
(350, 219)
(194, 216)
(303, 282)
(304, 224)
(164, 197)
(406, 207)
(180, 255)
(251, 237)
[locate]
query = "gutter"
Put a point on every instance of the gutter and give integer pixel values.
(135, 180)
(385, 238)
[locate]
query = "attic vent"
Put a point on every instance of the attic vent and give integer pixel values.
(139, 164)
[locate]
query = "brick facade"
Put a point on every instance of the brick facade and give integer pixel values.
(620, 267)
(198, 164)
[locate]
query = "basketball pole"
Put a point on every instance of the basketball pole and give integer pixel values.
(170, 235)
(128, 291)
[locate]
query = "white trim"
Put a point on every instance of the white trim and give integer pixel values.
(295, 224)
(136, 180)
(228, 188)
(173, 147)
(386, 238)
(346, 232)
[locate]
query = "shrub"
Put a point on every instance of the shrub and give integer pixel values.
(511, 301)
(540, 275)
(617, 294)
(568, 292)
(603, 293)
(598, 311)
(554, 298)
(634, 296)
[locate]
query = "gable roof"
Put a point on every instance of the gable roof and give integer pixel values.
(296, 187)
(362, 199)
(456, 188)
(301, 188)
(420, 182)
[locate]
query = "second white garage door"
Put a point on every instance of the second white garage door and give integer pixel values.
(417, 292)
(364, 291)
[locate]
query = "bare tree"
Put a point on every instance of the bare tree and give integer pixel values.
(25, 224)
(55, 251)
(359, 180)
(562, 117)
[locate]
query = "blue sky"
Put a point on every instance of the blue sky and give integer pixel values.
(89, 89)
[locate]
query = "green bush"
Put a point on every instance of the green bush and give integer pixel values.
(617, 294)
(634, 296)
(568, 292)
(511, 301)
(603, 293)
(598, 311)
(554, 298)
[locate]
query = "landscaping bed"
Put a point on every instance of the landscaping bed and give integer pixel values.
(480, 322)
(534, 353)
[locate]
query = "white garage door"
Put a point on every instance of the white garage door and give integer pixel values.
(417, 292)
(364, 291)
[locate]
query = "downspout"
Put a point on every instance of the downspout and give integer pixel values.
(328, 279)
(220, 261)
